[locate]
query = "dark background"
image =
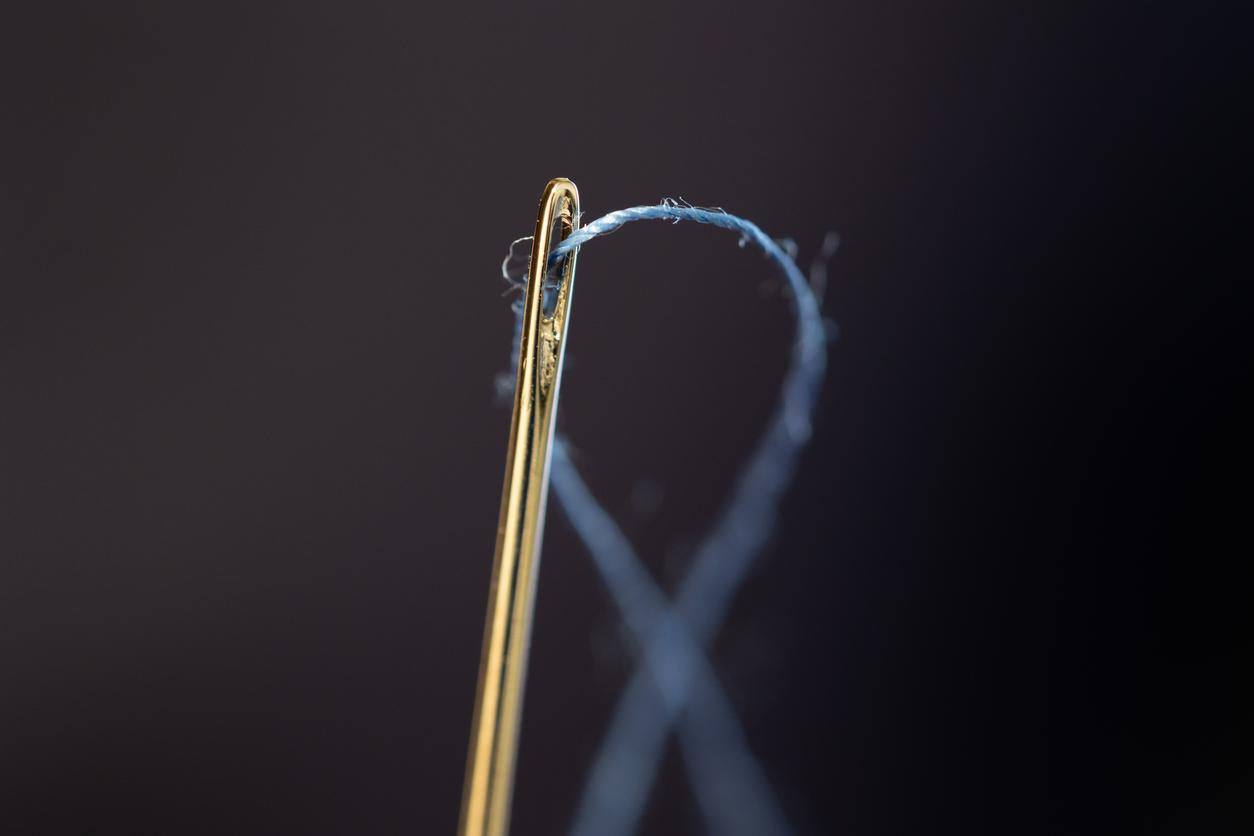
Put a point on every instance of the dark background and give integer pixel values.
(250, 461)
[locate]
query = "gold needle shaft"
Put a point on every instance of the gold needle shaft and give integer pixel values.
(503, 665)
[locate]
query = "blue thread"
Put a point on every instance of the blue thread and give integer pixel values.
(674, 683)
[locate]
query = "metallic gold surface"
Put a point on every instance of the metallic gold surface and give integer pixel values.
(503, 665)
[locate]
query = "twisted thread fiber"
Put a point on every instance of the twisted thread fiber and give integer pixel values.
(674, 687)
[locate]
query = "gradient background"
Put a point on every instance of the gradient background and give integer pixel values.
(250, 460)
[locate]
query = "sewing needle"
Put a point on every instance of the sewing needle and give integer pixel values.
(503, 664)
